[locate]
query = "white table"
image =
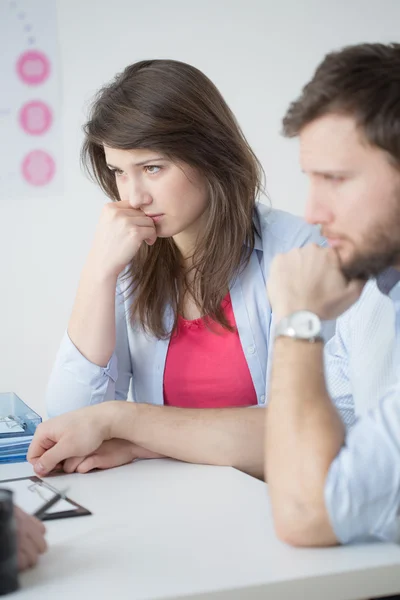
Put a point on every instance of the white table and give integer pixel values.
(164, 529)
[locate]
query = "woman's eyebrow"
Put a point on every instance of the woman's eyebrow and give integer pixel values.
(139, 164)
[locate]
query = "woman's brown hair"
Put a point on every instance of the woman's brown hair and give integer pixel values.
(173, 108)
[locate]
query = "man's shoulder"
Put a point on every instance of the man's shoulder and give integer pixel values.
(281, 231)
(371, 299)
(371, 316)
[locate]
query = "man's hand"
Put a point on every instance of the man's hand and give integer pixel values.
(75, 434)
(30, 539)
(310, 278)
(112, 453)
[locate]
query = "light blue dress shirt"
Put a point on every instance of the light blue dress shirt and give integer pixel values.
(139, 359)
(362, 362)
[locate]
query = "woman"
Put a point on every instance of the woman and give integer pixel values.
(172, 298)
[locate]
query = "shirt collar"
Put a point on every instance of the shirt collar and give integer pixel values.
(257, 234)
(388, 280)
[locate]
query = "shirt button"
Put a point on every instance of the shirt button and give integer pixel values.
(251, 349)
(262, 399)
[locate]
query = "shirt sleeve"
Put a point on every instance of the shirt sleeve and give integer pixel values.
(362, 490)
(76, 382)
(336, 362)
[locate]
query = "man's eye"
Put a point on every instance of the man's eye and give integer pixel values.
(333, 178)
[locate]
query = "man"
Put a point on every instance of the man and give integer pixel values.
(329, 486)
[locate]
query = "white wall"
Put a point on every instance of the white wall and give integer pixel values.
(258, 52)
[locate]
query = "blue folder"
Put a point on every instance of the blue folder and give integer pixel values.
(18, 423)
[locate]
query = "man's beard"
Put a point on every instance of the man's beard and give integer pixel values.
(367, 265)
(381, 250)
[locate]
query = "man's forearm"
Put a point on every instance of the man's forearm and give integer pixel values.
(303, 435)
(229, 437)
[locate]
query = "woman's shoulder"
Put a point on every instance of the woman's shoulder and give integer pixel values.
(282, 229)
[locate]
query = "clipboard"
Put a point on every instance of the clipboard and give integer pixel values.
(31, 492)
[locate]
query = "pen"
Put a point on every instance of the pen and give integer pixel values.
(41, 511)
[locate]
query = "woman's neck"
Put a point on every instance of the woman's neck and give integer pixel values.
(187, 241)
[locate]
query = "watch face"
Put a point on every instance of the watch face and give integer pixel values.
(305, 324)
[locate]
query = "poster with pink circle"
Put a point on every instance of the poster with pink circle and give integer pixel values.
(33, 67)
(35, 117)
(30, 108)
(38, 167)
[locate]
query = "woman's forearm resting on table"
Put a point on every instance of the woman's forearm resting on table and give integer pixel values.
(227, 437)
(304, 433)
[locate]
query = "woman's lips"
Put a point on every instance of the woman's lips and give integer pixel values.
(155, 218)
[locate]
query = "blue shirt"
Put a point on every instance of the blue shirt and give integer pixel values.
(139, 359)
(362, 363)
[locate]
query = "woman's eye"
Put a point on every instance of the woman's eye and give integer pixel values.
(152, 169)
(116, 172)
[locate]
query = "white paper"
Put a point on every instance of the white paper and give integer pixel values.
(30, 99)
(5, 426)
(30, 496)
(15, 442)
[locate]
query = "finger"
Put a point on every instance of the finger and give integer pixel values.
(126, 218)
(39, 445)
(148, 235)
(41, 544)
(34, 526)
(138, 220)
(28, 548)
(30, 531)
(58, 468)
(147, 232)
(71, 464)
(47, 462)
(90, 463)
(333, 257)
(124, 207)
(23, 560)
(102, 461)
(37, 540)
(152, 239)
(123, 204)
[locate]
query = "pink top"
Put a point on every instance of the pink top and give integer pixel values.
(207, 368)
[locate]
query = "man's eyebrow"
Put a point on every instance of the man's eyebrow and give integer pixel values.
(327, 171)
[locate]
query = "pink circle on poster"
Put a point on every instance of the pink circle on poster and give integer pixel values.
(33, 67)
(35, 117)
(38, 168)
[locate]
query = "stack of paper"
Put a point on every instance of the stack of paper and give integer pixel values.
(17, 427)
(14, 449)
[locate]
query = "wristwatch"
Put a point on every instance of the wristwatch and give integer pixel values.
(300, 325)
